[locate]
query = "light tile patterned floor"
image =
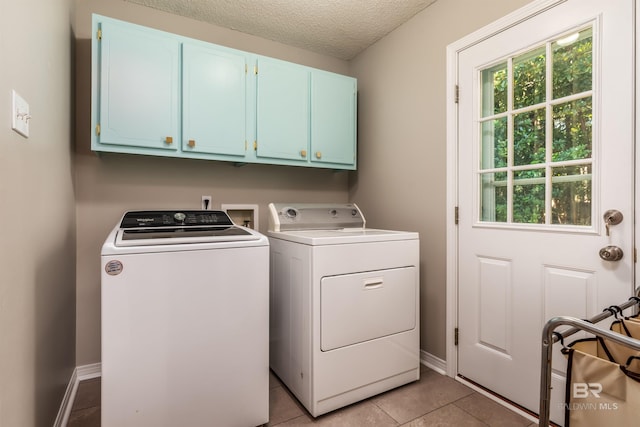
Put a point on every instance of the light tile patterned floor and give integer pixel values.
(434, 400)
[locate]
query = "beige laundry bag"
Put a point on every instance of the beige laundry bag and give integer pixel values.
(599, 392)
(619, 353)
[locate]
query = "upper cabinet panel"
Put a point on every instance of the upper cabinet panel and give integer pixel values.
(214, 99)
(139, 87)
(282, 110)
(333, 118)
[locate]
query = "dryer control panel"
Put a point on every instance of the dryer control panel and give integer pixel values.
(314, 216)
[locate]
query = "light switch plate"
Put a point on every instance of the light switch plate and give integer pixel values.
(21, 116)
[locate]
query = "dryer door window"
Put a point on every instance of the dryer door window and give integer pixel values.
(364, 306)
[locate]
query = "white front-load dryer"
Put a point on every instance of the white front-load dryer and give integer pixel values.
(344, 305)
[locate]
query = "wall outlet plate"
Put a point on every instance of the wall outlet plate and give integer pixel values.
(205, 203)
(21, 115)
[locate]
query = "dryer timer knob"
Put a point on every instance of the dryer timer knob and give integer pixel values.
(291, 213)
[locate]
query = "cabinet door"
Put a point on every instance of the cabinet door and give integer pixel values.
(214, 101)
(282, 110)
(333, 118)
(139, 94)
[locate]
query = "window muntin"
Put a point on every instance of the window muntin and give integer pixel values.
(536, 135)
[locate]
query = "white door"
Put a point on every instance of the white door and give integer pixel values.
(545, 127)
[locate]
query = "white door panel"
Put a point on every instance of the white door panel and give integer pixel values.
(516, 269)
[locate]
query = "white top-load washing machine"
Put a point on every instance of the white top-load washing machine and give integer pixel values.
(344, 304)
(185, 303)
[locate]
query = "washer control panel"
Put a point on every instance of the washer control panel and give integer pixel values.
(314, 216)
(149, 219)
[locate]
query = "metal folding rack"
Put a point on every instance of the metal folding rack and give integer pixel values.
(549, 337)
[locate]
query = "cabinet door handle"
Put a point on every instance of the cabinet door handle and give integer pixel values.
(168, 140)
(303, 153)
(191, 143)
(318, 155)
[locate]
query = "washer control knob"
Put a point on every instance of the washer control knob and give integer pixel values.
(333, 212)
(179, 216)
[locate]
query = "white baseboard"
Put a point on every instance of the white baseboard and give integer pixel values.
(67, 401)
(433, 362)
(80, 373)
(87, 372)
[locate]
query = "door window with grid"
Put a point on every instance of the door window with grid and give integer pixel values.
(536, 126)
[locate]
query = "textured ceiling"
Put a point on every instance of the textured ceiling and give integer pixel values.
(338, 28)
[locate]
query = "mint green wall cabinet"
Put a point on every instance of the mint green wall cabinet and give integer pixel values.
(333, 119)
(305, 116)
(156, 93)
(138, 85)
(214, 101)
(282, 115)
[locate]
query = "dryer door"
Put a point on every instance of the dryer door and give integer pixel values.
(364, 306)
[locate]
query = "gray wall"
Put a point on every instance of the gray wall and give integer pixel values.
(401, 177)
(111, 184)
(37, 250)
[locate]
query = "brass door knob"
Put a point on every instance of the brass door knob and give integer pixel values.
(191, 143)
(611, 253)
(303, 153)
(168, 140)
(318, 155)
